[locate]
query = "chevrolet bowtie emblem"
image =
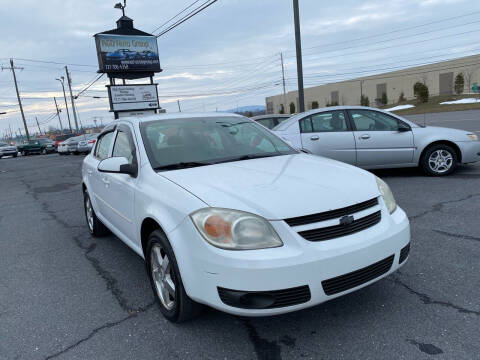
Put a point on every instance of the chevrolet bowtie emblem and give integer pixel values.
(346, 220)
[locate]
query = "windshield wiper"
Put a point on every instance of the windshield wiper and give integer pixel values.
(247, 157)
(182, 165)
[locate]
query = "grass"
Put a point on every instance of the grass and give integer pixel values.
(433, 105)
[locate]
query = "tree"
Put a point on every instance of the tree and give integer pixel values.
(282, 109)
(292, 108)
(384, 99)
(459, 83)
(469, 72)
(421, 92)
(401, 97)
(315, 104)
(364, 101)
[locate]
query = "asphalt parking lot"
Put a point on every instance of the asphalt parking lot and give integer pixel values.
(66, 295)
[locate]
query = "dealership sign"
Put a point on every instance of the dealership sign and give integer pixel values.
(133, 97)
(127, 53)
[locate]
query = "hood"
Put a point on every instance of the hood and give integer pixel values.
(447, 133)
(278, 187)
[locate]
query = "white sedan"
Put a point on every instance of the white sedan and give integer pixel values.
(228, 215)
(374, 139)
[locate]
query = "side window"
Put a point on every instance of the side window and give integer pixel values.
(368, 120)
(103, 146)
(123, 147)
(331, 121)
(281, 119)
(268, 123)
(306, 125)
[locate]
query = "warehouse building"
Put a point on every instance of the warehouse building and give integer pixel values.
(439, 77)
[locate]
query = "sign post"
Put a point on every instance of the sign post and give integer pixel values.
(127, 53)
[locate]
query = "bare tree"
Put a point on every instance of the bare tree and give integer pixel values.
(468, 74)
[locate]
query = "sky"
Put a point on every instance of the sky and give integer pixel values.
(226, 56)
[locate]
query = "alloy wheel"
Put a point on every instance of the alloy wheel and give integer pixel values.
(440, 161)
(163, 276)
(89, 212)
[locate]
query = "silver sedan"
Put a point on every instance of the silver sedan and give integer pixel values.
(373, 139)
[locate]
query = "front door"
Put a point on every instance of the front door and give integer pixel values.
(119, 188)
(328, 134)
(381, 139)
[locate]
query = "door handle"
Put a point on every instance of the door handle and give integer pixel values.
(106, 181)
(365, 137)
(89, 172)
(314, 137)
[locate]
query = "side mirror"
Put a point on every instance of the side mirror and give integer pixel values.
(117, 165)
(403, 128)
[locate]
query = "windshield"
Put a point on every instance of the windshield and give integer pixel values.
(179, 143)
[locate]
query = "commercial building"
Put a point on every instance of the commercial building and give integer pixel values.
(439, 77)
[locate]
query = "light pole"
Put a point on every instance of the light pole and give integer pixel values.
(62, 81)
(298, 43)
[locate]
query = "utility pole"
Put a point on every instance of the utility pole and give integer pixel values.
(12, 67)
(58, 114)
(178, 103)
(69, 80)
(283, 81)
(298, 43)
(39, 130)
(62, 81)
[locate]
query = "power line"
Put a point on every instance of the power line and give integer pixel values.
(188, 16)
(174, 17)
(395, 31)
(88, 86)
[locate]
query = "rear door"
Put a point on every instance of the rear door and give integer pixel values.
(381, 139)
(328, 134)
(97, 180)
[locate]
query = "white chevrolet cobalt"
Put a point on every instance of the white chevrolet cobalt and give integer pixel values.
(228, 215)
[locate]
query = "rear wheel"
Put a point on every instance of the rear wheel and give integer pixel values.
(95, 226)
(439, 160)
(166, 281)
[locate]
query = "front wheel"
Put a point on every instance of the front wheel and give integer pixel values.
(24, 153)
(44, 152)
(166, 281)
(439, 160)
(95, 226)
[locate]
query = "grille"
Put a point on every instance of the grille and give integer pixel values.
(265, 299)
(331, 232)
(332, 214)
(404, 253)
(356, 278)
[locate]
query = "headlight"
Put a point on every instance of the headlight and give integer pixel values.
(387, 195)
(235, 230)
(473, 136)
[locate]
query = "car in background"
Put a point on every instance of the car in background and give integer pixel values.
(61, 138)
(34, 146)
(8, 150)
(147, 54)
(85, 146)
(63, 147)
(50, 145)
(373, 139)
(270, 121)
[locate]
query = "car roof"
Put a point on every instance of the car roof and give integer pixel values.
(269, 116)
(170, 116)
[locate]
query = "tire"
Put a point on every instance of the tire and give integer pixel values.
(15, 155)
(44, 152)
(94, 225)
(24, 153)
(177, 307)
(439, 160)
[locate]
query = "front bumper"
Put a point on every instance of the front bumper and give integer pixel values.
(470, 151)
(8, 152)
(205, 269)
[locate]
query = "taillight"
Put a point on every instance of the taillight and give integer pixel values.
(92, 141)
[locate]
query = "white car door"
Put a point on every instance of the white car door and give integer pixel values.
(97, 180)
(328, 134)
(381, 139)
(119, 189)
